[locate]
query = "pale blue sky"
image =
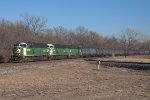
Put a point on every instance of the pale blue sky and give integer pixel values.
(107, 17)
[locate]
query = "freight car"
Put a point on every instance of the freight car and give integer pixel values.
(40, 51)
(98, 52)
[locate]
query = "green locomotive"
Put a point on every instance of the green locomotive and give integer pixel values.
(40, 51)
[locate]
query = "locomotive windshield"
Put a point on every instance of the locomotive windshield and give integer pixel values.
(50, 46)
(15, 45)
(23, 45)
(20, 45)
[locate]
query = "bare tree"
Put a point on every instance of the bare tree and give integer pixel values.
(49, 36)
(60, 34)
(93, 39)
(6, 38)
(111, 42)
(145, 44)
(71, 37)
(128, 39)
(82, 33)
(35, 23)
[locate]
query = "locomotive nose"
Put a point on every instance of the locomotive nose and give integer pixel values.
(18, 50)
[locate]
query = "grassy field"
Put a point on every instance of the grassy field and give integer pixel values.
(73, 79)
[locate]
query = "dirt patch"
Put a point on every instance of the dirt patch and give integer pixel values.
(71, 79)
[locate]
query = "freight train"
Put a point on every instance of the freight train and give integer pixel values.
(25, 51)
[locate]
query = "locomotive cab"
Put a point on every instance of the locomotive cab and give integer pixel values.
(19, 51)
(50, 46)
(20, 48)
(50, 49)
(20, 45)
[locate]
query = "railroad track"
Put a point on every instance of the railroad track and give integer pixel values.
(130, 65)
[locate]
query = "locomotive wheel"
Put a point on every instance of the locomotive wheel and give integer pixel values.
(23, 59)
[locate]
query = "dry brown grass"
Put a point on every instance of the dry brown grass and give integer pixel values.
(71, 80)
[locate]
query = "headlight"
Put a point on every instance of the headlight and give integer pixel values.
(18, 50)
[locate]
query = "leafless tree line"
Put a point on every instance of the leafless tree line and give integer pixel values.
(34, 29)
